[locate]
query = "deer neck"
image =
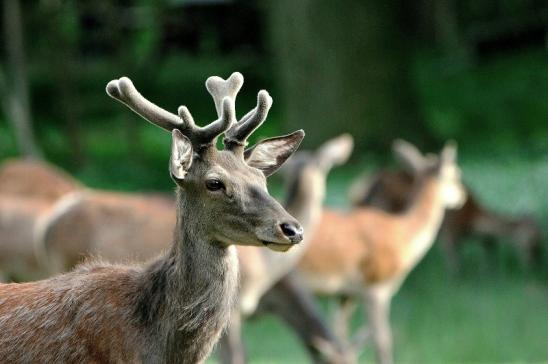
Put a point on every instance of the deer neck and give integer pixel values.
(423, 218)
(304, 201)
(305, 197)
(189, 292)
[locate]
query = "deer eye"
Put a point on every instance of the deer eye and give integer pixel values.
(214, 185)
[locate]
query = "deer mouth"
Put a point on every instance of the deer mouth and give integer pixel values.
(278, 247)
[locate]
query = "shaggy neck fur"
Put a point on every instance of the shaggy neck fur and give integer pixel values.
(186, 296)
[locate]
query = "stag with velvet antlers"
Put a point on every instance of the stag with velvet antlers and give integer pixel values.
(174, 308)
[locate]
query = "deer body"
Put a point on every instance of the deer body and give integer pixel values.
(18, 217)
(367, 253)
(377, 248)
(34, 179)
(114, 226)
(173, 309)
(170, 311)
(390, 190)
(28, 189)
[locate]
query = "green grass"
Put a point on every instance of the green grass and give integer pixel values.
(436, 319)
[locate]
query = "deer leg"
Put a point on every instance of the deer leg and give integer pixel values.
(341, 322)
(231, 348)
(294, 303)
(378, 313)
(449, 245)
(343, 317)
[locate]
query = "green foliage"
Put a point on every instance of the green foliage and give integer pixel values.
(496, 105)
(344, 67)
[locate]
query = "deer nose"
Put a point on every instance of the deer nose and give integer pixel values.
(293, 231)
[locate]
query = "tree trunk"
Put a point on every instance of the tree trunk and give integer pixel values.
(64, 33)
(16, 95)
(345, 66)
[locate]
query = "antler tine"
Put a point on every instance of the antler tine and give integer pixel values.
(208, 134)
(219, 88)
(124, 91)
(240, 131)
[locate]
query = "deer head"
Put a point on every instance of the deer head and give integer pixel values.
(224, 190)
(444, 166)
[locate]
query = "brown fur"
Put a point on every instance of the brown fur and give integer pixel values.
(37, 179)
(389, 190)
(28, 189)
(113, 226)
(358, 247)
(18, 218)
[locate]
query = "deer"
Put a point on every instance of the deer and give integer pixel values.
(28, 190)
(115, 226)
(390, 190)
(366, 253)
(111, 225)
(19, 177)
(174, 308)
(262, 270)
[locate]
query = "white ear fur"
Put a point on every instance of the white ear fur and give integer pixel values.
(449, 152)
(335, 151)
(409, 156)
(268, 155)
(181, 155)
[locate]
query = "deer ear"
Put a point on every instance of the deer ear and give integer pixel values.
(336, 151)
(409, 156)
(181, 155)
(449, 152)
(268, 155)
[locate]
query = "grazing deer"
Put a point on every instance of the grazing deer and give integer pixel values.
(367, 253)
(261, 270)
(390, 191)
(28, 189)
(174, 308)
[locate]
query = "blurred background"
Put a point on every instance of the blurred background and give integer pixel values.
(426, 71)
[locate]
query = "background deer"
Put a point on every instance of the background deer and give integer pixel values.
(28, 189)
(35, 179)
(111, 225)
(174, 308)
(306, 175)
(367, 253)
(391, 191)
